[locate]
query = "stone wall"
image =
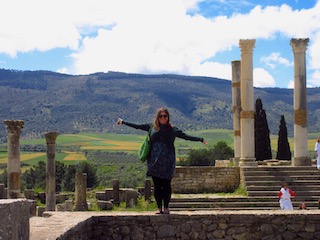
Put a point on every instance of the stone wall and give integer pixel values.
(228, 225)
(205, 179)
(14, 220)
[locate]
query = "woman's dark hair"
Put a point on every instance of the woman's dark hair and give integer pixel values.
(156, 123)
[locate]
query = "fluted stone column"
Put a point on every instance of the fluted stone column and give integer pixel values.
(247, 104)
(236, 110)
(51, 171)
(301, 158)
(81, 192)
(13, 129)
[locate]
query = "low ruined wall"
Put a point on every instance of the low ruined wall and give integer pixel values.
(236, 225)
(205, 179)
(14, 220)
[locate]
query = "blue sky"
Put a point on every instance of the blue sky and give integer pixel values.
(188, 37)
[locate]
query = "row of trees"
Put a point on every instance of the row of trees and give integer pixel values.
(102, 169)
(35, 177)
(262, 136)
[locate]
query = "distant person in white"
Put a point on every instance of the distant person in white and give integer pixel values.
(317, 150)
(285, 195)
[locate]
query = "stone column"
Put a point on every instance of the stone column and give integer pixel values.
(51, 171)
(81, 192)
(247, 104)
(301, 158)
(236, 110)
(116, 192)
(13, 129)
(147, 190)
(2, 187)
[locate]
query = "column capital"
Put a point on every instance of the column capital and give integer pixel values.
(51, 137)
(247, 45)
(13, 125)
(299, 45)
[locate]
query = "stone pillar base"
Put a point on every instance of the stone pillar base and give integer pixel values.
(301, 161)
(236, 161)
(248, 162)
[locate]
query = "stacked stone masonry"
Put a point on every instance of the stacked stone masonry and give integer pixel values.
(205, 179)
(228, 225)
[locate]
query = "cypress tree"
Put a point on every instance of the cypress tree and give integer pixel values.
(283, 152)
(262, 133)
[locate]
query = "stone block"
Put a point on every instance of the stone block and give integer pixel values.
(29, 194)
(101, 195)
(14, 221)
(105, 205)
(61, 207)
(42, 197)
(131, 198)
(69, 205)
(2, 187)
(40, 210)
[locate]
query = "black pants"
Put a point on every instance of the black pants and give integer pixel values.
(162, 191)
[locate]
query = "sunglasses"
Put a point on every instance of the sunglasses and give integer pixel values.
(163, 116)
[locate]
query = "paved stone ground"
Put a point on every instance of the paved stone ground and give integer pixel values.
(54, 224)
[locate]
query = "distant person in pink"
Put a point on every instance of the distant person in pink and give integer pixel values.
(285, 195)
(317, 150)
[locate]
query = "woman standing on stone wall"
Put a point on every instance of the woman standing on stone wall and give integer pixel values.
(161, 161)
(317, 150)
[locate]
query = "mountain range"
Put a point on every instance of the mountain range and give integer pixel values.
(49, 101)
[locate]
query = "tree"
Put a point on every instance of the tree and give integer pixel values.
(283, 152)
(207, 157)
(262, 133)
(68, 183)
(91, 171)
(60, 173)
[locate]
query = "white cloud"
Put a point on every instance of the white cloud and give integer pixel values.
(275, 59)
(147, 42)
(63, 70)
(314, 50)
(262, 78)
(213, 69)
(314, 81)
(150, 36)
(291, 84)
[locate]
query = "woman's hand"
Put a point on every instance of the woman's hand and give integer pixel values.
(119, 122)
(204, 142)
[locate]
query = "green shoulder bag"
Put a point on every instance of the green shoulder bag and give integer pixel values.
(145, 147)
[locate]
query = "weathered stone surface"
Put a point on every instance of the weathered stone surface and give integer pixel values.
(40, 210)
(2, 192)
(165, 231)
(178, 225)
(29, 194)
(14, 220)
(69, 205)
(205, 179)
(105, 205)
(131, 198)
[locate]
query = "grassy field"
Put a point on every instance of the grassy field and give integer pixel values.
(126, 143)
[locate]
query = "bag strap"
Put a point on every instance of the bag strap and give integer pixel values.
(149, 132)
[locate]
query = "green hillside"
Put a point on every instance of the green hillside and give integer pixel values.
(69, 104)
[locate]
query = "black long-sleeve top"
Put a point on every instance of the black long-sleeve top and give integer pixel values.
(162, 158)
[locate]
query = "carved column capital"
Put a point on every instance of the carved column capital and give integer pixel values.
(51, 137)
(14, 126)
(247, 45)
(299, 45)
